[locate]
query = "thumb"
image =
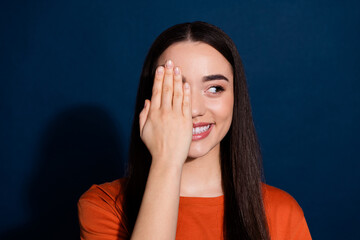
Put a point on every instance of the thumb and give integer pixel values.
(143, 115)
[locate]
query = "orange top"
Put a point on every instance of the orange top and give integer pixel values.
(198, 218)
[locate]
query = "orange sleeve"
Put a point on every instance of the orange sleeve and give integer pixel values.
(98, 217)
(285, 216)
(301, 230)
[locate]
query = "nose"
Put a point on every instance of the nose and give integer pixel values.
(197, 103)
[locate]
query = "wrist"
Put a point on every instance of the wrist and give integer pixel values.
(162, 164)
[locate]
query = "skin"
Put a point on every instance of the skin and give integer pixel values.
(201, 175)
(180, 166)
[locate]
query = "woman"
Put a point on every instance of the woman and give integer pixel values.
(194, 163)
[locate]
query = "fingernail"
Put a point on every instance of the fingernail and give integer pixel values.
(169, 64)
(177, 71)
(160, 70)
(187, 85)
(145, 104)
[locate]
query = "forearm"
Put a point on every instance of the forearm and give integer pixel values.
(157, 218)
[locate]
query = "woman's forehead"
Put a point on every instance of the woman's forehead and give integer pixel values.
(196, 58)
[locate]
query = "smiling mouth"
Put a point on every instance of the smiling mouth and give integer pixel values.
(202, 132)
(199, 130)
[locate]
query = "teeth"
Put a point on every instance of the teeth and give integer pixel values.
(199, 130)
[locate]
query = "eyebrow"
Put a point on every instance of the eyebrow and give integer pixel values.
(214, 77)
(211, 78)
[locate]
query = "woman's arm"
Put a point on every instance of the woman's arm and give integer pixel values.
(166, 129)
(158, 213)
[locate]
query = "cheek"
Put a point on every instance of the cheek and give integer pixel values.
(222, 108)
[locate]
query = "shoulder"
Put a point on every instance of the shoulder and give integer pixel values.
(100, 211)
(107, 192)
(280, 199)
(106, 196)
(285, 216)
(278, 202)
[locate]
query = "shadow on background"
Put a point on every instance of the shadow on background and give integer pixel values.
(80, 147)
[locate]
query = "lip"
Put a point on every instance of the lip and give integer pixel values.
(203, 134)
(200, 124)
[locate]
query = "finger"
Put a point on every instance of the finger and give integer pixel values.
(143, 115)
(178, 90)
(167, 88)
(186, 105)
(157, 88)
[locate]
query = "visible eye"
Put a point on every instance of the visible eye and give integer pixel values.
(216, 89)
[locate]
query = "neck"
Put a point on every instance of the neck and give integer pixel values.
(201, 177)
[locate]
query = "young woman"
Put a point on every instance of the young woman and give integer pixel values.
(195, 167)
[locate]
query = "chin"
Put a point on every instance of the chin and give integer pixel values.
(198, 150)
(193, 155)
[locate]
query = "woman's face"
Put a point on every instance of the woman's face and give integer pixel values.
(211, 82)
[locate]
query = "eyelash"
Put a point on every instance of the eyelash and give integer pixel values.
(220, 89)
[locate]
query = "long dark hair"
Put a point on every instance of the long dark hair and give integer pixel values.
(241, 164)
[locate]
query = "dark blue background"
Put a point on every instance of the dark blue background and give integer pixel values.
(69, 76)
